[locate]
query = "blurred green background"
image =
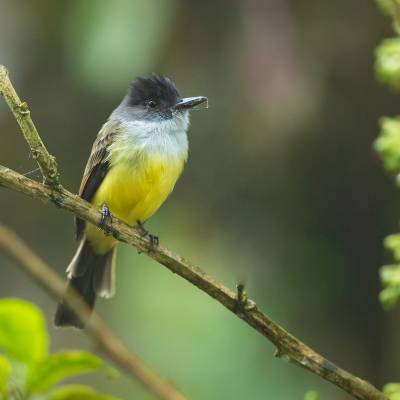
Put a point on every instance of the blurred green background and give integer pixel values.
(282, 189)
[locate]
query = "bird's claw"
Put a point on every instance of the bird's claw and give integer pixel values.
(154, 241)
(106, 218)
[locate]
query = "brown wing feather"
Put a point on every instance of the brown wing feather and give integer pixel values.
(96, 167)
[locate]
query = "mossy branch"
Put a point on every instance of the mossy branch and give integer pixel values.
(288, 347)
(47, 163)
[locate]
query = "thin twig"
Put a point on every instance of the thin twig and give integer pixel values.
(17, 250)
(288, 347)
(47, 162)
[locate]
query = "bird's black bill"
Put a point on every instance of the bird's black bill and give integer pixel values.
(190, 102)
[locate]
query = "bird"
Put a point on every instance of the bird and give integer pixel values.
(136, 159)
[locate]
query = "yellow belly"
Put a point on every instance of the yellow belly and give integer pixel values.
(133, 191)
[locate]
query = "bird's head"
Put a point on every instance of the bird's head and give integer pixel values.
(157, 98)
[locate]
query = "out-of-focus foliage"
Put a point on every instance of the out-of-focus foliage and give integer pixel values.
(5, 369)
(387, 62)
(392, 391)
(22, 333)
(56, 367)
(99, 44)
(388, 143)
(392, 243)
(390, 278)
(390, 274)
(77, 392)
(388, 7)
(29, 369)
(312, 395)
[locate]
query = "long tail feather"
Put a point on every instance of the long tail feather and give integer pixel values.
(89, 274)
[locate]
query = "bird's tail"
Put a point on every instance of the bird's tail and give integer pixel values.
(89, 274)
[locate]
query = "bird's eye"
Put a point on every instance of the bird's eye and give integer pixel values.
(151, 104)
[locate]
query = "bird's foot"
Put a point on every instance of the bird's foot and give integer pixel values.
(106, 218)
(154, 241)
(244, 304)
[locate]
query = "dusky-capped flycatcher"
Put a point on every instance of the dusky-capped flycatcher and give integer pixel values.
(136, 159)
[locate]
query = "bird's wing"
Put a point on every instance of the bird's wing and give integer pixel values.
(96, 167)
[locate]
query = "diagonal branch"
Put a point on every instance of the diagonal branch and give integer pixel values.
(17, 250)
(288, 347)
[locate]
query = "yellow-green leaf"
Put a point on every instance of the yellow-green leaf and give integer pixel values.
(75, 392)
(311, 395)
(389, 297)
(387, 62)
(388, 143)
(59, 366)
(5, 370)
(392, 242)
(392, 390)
(390, 275)
(23, 334)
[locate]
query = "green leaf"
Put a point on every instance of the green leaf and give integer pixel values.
(311, 395)
(75, 392)
(387, 62)
(388, 143)
(390, 275)
(5, 370)
(59, 366)
(386, 6)
(23, 334)
(392, 243)
(392, 390)
(389, 297)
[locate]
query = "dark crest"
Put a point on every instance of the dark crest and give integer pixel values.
(157, 88)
